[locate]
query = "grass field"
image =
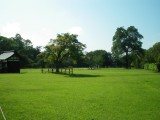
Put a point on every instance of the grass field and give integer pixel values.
(104, 94)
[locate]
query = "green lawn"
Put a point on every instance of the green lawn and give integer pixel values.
(104, 94)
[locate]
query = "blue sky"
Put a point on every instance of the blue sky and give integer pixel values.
(95, 21)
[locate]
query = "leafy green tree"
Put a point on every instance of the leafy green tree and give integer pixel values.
(6, 44)
(99, 58)
(42, 60)
(137, 58)
(153, 54)
(126, 41)
(65, 47)
(24, 47)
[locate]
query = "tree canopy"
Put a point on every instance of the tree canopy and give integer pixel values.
(24, 47)
(65, 48)
(126, 41)
(99, 58)
(153, 54)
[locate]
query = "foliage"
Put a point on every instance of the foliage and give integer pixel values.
(24, 47)
(65, 48)
(99, 58)
(6, 44)
(66, 51)
(152, 58)
(125, 42)
(137, 58)
(152, 66)
(153, 54)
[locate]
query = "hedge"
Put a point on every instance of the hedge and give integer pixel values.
(152, 66)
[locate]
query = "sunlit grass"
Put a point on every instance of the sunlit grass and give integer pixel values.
(104, 94)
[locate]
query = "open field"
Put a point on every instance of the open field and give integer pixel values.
(104, 94)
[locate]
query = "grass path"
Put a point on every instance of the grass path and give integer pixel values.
(105, 94)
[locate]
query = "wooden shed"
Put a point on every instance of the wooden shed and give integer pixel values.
(9, 62)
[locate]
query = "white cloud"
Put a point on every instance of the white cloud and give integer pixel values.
(10, 29)
(76, 30)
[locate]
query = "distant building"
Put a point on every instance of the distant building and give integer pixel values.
(9, 62)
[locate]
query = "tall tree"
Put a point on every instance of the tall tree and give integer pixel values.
(126, 41)
(153, 54)
(24, 47)
(99, 58)
(137, 58)
(65, 47)
(6, 44)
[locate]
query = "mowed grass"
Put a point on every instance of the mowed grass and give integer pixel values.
(104, 94)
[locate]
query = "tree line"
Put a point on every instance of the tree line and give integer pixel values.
(24, 47)
(66, 50)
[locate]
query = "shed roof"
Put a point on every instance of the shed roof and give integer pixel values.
(6, 55)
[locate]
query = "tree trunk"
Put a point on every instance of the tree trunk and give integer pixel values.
(57, 66)
(127, 60)
(57, 69)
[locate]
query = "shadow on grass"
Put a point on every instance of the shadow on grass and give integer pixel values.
(76, 75)
(84, 75)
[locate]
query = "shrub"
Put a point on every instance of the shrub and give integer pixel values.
(152, 66)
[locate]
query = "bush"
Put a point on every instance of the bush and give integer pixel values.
(152, 66)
